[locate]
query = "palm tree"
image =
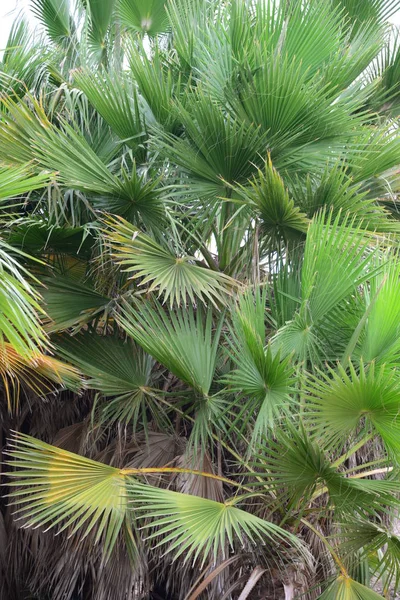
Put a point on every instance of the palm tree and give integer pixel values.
(199, 293)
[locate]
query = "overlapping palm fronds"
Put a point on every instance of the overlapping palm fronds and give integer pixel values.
(199, 315)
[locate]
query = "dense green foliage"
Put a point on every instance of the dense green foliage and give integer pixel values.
(200, 301)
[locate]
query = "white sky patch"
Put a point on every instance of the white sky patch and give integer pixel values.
(9, 10)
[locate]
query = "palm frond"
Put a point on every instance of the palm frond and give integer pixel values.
(22, 65)
(198, 527)
(296, 468)
(54, 487)
(281, 221)
(261, 379)
(375, 540)
(348, 589)
(180, 340)
(55, 17)
(379, 341)
(100, 17)
(176, 277)
(341, 401)
(216, 147)
(29, 133)
(368, 11)
(114, 97)
(19, 180)
(39, 373)
(118, 370)
(337, 259)
(37, 237)
(335, 192)
(384, 73)
(145, 16)
(70, 303)
(160, 83)
(19, 126)
(19, 306)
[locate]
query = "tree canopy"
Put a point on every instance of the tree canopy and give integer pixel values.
(200, 301)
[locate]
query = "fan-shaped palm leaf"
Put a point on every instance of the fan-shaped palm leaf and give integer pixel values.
(341, 401)
(281, 221)
(216, 147)
(53, 487)
(145, 16)
(368, 11)
(380, 341)
(335, 191)
(22, 65)
(58, 488)
(115, 98)
(385, 70)
(100, 17)
(35, 236)
(297, 469)
(177, 278)
(19, 306)
(120, 371)
(262, 380)
(70, 303)
(19, 180)
(39, 373)
(377, 541)
(337, 259)
(179, 340)
(55, 16)
(199, 527)
(159, 83)
(345, 588)
(29, 133)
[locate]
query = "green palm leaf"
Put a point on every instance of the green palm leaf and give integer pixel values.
(216, 147)
(335, 191)
(70, 303)
(132, 194)
(55, 16)
(380, 339)
(337, 259)
(100, 12)
(54, 487)
(145, 16)
(261, 379)
(20, 310)
(281, 221)
(298, 470)
(36, 236)
(19, 180)
(341, 401)
(384, 73)
(369, 10)
(29, 134)
(377, 541)
(22, 65)
(160, 83)
(120, 371)
(345, 588)
(115, 98)
(177, 278)
(180, 340)
(198, 527)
